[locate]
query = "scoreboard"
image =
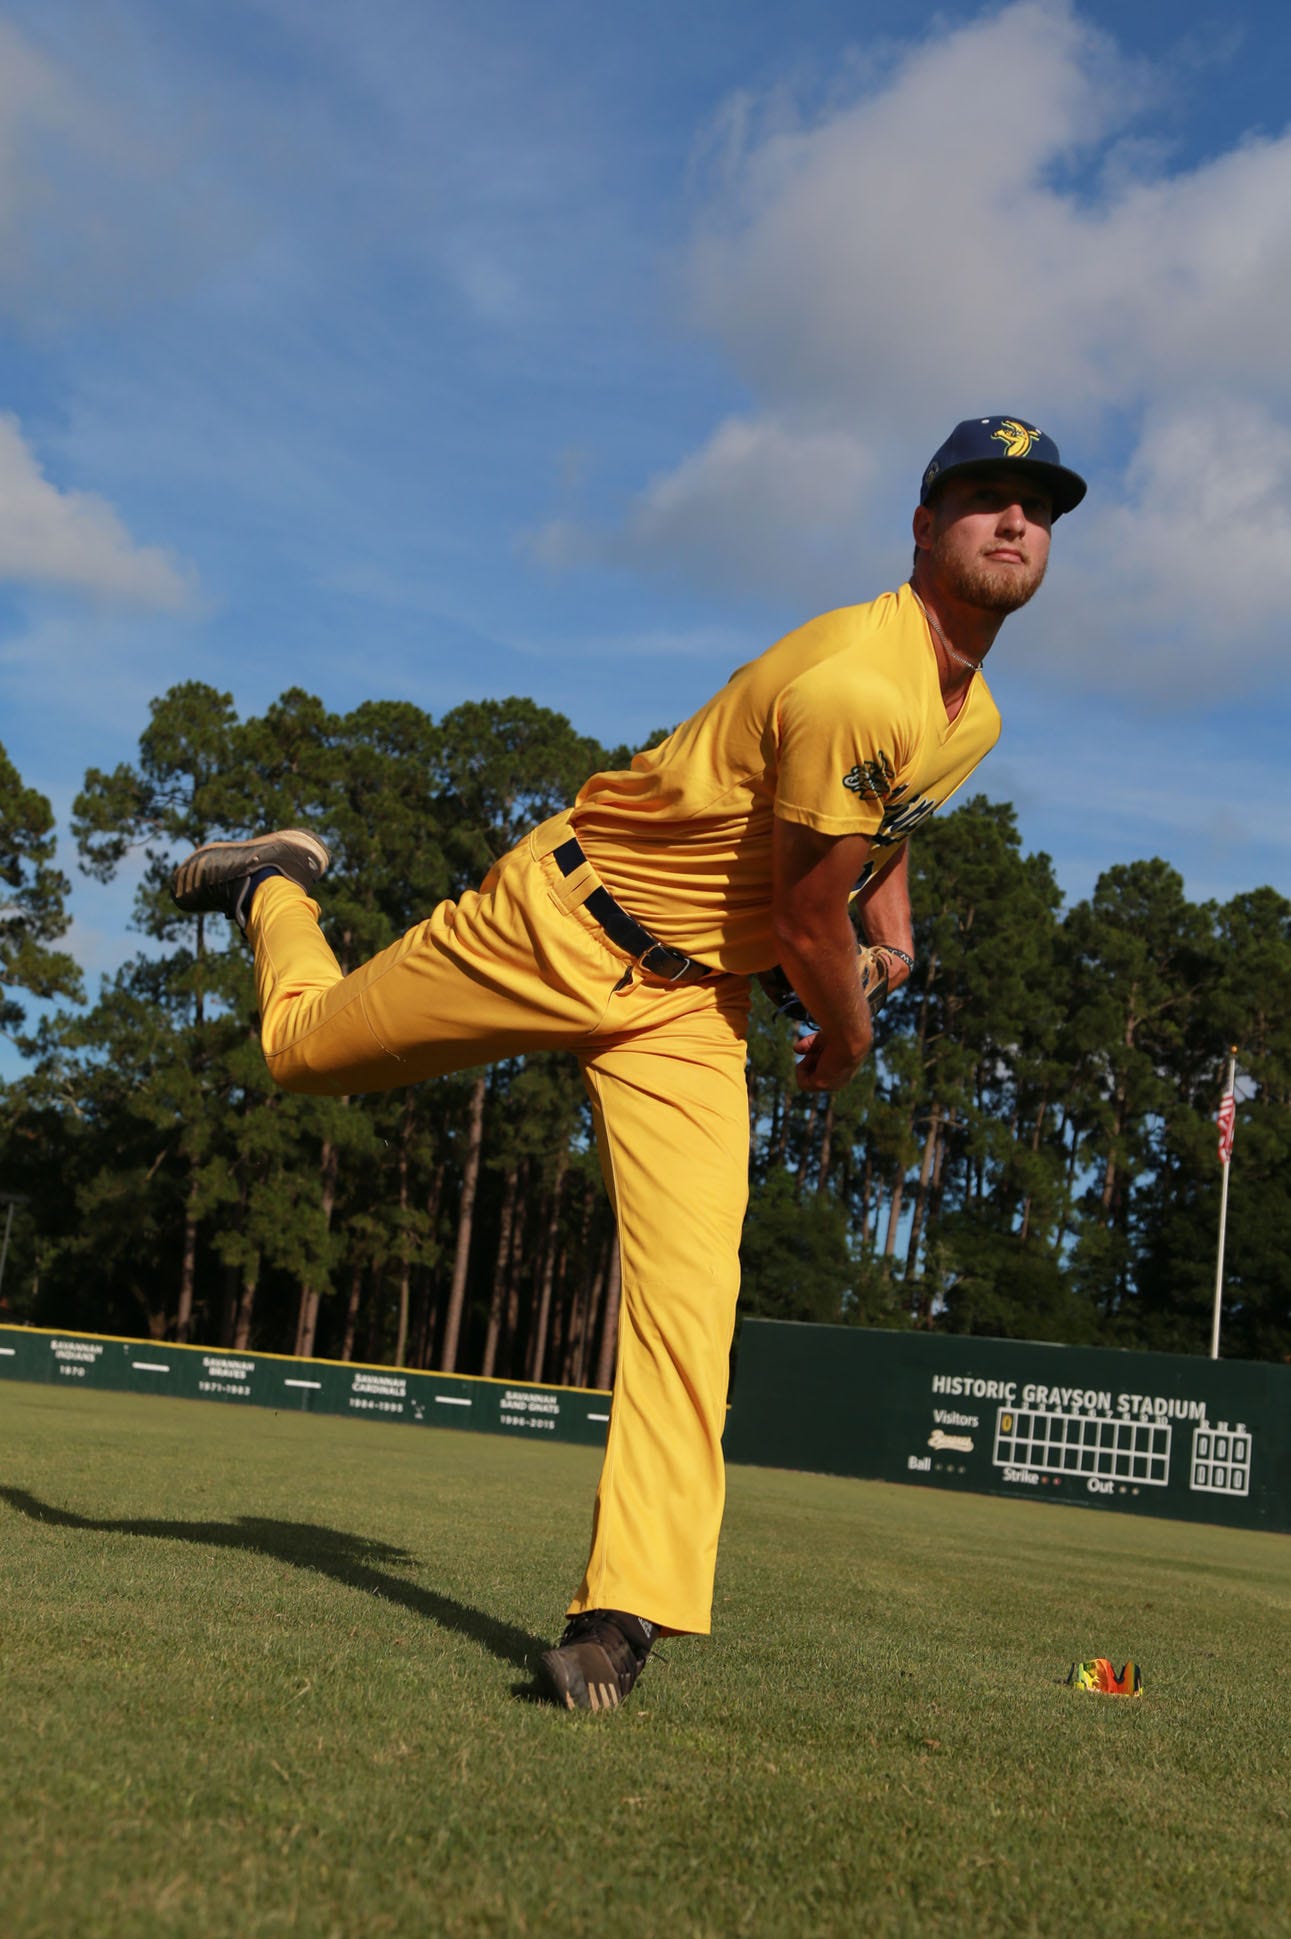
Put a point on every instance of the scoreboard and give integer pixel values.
(1149, 1433)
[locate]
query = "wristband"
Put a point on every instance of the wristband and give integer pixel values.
(900, 954)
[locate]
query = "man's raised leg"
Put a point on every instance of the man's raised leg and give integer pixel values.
(505, 970)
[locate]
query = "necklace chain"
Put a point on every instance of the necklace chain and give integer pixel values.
(974, 666)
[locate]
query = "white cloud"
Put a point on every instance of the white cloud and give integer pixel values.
(1171, 582)
(74, 540)
(728, 503)
(1202, 538)
(761, 506)
(930, 239)
(981, 229)
(909, 243)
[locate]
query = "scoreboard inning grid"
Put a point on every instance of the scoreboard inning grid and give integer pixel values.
(1117, 1450)
(1120, 1450)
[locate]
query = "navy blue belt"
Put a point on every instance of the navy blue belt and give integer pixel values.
(625, 931)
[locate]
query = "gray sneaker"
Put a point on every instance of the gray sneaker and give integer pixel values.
(219, 877)
(598, 1659)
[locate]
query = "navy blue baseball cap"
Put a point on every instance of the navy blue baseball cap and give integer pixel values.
(981, 441)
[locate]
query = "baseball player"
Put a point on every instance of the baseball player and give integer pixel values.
(766, 831)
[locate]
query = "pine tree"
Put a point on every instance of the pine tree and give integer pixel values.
(33, 902)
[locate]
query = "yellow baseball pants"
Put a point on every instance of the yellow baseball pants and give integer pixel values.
(517, 966)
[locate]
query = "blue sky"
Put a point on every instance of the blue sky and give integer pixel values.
(446, 350)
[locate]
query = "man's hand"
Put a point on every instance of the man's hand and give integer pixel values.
(822, 1065)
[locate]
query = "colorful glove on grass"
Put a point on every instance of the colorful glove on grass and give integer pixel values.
(1098, 1674)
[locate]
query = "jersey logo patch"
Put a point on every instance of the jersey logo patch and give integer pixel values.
(1016, 438)
(900, 822)
(870, 779)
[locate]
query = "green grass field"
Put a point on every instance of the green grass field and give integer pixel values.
(268, 1674)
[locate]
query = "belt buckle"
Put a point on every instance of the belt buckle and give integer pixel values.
(662, 949)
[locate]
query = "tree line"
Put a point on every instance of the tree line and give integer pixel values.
(1030, 1153)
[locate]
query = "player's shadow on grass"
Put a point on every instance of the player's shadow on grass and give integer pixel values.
(351, 1559)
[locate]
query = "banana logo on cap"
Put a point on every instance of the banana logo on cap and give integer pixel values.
(1018, 438)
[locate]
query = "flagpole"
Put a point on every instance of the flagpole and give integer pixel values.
(1223, 1216)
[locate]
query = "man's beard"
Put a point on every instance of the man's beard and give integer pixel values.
(976, 582)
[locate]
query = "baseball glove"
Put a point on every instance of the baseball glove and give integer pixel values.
(786, 1002)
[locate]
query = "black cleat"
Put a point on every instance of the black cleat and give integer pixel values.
(217, 878)
(598, 1659)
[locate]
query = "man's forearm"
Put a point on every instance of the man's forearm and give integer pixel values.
(812, 877)
(884, 907)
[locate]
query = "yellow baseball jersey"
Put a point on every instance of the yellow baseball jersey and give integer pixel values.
(840, 726)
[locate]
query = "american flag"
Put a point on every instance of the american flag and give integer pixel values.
(1225, 1120)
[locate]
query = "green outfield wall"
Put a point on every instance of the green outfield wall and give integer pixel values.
(304, 1386)
(1146, 1433)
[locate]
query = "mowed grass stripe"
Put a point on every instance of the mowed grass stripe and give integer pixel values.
(267, 1673)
